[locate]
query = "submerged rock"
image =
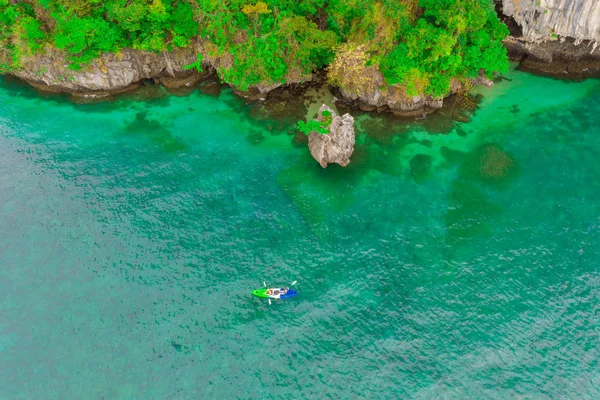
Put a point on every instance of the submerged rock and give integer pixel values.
(420, 167)
(490, 164)
(336, 146)
(184, 79)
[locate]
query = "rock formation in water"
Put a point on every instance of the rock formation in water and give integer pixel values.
(558, 37)
(336, 146)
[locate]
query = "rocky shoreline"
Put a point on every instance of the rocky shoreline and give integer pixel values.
(116, 74)
(534, 42)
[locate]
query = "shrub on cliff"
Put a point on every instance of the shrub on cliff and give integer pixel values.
(452, 38)
(314, 125)
(349, 70)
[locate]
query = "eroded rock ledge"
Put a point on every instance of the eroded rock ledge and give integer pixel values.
(111, 73)
(114, 73)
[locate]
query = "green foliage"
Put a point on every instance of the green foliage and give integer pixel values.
(85, 38)
(418, 44)
(197, 65)
(20, 33)
(33, 32)
(85, 29)
(452, 38)
(314, 125)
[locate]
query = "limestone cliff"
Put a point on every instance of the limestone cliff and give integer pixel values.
(117, 72)
(378, 96)
(362, 84)
(110, 73)
(559, 37)
(545, 19)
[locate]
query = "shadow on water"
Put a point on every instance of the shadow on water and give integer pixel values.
(277, 115)
(15, 87)
(146, 96)
(152, 95)
(319, 192)
(470, 212)
(155, 131)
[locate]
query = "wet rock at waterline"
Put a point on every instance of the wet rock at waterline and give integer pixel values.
(337, 145)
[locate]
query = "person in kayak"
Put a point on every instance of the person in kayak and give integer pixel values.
(275, 292)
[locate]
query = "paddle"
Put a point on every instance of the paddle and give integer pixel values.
(265, 285)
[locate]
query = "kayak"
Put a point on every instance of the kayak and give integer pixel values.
(271, 293)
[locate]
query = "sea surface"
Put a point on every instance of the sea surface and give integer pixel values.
(448, 260)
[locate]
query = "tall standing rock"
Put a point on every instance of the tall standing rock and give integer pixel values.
(336, 146)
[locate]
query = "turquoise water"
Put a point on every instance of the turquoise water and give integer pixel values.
(447, 261)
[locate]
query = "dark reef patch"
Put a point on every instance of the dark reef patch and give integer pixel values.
(452, 156)
(420, 167)
(155, 131)
(255, 137)
(491, 165)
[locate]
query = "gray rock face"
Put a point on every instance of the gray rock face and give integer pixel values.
(118, 72)
(336, 146)
(393, 98)
(561, 36)
(544, 19)
(113, 72)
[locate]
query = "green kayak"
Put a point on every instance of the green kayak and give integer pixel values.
(274, 293)
(261, 293)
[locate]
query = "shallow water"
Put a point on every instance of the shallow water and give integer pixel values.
(454, 265)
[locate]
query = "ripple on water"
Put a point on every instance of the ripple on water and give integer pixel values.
(450, 259)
